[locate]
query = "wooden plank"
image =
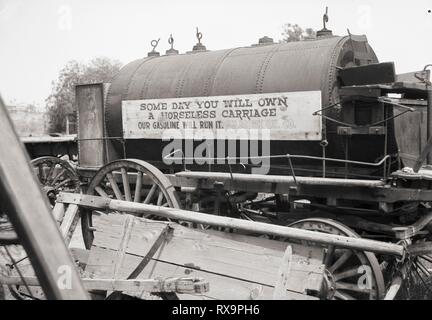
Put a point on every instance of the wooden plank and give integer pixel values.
(59, 212)
(209, 178)
(396, 87)
(411, 76)
(91, 146)
(282, 283)
(180, 285)
(80, 255)
(368, 74)
(213, 252)
(121, 250)
(238, 224)
(31, 216)
(220, 286)
(69, 223)
(49, 139)
(409, 102)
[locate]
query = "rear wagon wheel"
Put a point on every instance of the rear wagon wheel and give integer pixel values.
(349, 274)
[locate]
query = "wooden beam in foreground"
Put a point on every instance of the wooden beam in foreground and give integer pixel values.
(95, 202)
(179, 285)
(28, 209)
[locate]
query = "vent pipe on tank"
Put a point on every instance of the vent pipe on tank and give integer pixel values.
(264, 41)
(154, 53)
(199, 47)
(171, 51)
(324, 32)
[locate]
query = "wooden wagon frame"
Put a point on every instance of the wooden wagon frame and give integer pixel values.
(291, 262)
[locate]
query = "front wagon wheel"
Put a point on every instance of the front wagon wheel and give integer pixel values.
(129, 180)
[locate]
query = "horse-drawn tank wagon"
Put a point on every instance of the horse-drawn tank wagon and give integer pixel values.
(312, 144)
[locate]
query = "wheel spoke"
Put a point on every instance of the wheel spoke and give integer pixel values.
(420, 266)
(343, 296)
(41, 173)
(150, 194)
(160, 198)
(50, 172)
(114, 186)
(329, 255)
(346, 274)
(126, 186)
(61, 184)
(351, 287)
(138, 186)
(339, 262)
(101, 192)
(58, 175)
(427, 258)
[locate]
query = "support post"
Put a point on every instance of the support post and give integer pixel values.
(429, 120)
(28, 209)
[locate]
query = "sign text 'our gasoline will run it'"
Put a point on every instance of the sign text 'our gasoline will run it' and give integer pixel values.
(287, 115)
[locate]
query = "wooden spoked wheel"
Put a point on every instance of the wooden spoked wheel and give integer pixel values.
(130, 180)
(55, 175)
(349, 274)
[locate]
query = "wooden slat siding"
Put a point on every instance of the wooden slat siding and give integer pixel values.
(58, 212)
(80, 255)
(157, 245)
(128, 223)
(215, 254)
(282, 283)
(211, 251)
(221, 287)
(70, 221)
(202, 248)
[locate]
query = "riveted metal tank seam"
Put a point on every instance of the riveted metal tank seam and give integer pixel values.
(134, 74)
(146, 82)
(261, 73)
(182, 79)
(212, 77)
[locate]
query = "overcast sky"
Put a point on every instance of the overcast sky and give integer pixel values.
(39, 37)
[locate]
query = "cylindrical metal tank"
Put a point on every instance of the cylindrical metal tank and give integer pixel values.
(282, 67)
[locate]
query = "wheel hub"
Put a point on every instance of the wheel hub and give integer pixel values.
(329, 286)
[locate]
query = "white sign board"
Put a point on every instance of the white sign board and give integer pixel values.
(286, 115)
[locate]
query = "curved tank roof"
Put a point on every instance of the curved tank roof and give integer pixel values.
(282, 67)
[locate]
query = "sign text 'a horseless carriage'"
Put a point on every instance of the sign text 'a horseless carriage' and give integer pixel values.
(286, 116)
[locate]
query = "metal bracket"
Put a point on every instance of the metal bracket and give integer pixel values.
(83, 200)
(185, 285)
